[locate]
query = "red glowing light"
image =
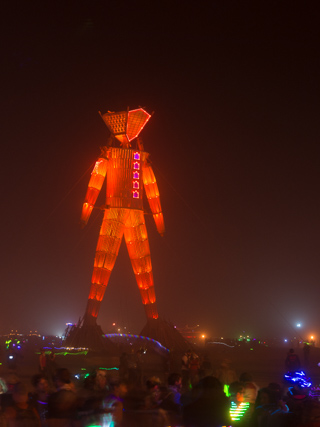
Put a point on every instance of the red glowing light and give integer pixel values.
(126, 125)
(129, 174)
(137, 120)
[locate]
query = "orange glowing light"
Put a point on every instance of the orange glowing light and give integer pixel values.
(126, 125)
(137, 120)
(127, 173)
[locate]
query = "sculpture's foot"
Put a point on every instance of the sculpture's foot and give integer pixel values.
(90, 335)
(165, 333)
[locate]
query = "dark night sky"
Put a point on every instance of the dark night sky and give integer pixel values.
(234, 142)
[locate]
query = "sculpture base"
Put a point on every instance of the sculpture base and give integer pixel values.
(91, 336)
(164, 332)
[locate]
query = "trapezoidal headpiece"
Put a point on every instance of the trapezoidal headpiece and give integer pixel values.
(126, 125)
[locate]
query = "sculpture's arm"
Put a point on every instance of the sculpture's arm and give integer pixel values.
(97, 177)
(152, 193)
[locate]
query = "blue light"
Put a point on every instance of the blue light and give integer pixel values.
(299, 378)
(138, 336)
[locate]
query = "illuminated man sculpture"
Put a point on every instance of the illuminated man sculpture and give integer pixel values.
(128, 172)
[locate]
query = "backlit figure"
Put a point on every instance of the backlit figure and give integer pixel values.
(127, 173)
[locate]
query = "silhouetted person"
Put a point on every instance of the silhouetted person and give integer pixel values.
(21, 413)
(306, 354)
(270, 410)
(292, 361)
(39, 398)
(90, 397)
(226, 375)
(211, 408)
(205, 367)
(171, 398)
(194, 366)
(239, 409)
(42, 362)
(6, 398)
(63, 403)
(124, 367)
(250, 389)
(171, 395)
(185, 369)
(113, 404)
(152, 398)
(51, 367)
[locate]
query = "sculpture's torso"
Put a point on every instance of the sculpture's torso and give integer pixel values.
(124, 177)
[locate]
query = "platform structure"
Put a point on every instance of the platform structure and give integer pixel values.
(90, 337)
(165, 332)
(93, 338)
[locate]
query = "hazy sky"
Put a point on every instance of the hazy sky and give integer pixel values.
(234, 142)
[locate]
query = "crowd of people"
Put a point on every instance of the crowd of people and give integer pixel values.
(197, 396)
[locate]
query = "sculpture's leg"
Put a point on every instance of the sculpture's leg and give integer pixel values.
(108, 246)
(136, 237)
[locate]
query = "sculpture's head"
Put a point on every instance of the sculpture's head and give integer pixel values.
(126, 125)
